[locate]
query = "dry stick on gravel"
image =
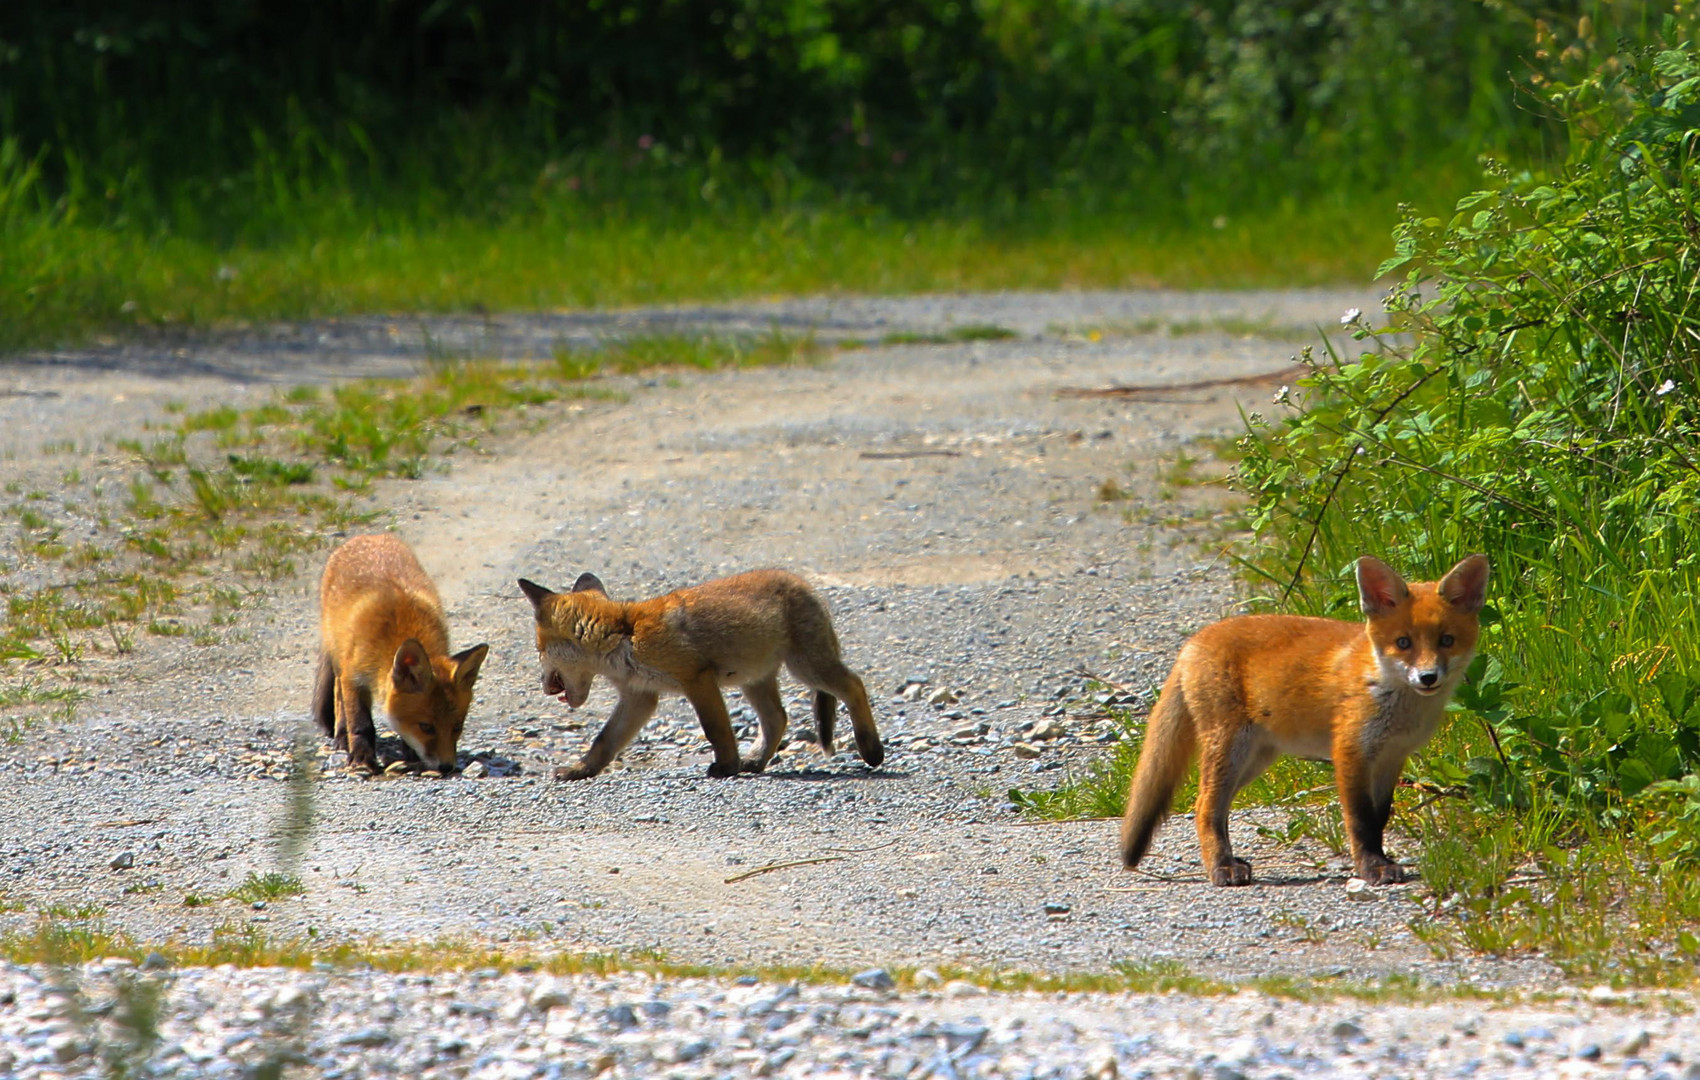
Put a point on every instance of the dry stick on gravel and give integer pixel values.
(897, 455)
(1143, 393)
(771, 867)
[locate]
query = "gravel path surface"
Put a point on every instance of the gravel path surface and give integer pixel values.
(945, 500)
(243, 1023)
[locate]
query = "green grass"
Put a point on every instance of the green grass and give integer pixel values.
(267, 887)
(63, 941)
(956, 334)
(66, 279)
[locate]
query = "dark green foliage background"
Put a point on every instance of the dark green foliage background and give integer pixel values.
(915, 104)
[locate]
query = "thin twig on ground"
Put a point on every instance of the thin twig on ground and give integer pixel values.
(771, 867)
(1142, 393)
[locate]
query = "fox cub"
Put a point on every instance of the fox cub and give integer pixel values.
(383, 640)
(1362, 695)
(736, 631)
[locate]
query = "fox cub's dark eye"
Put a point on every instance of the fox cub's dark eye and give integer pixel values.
(1403, 643)
(1446, 641)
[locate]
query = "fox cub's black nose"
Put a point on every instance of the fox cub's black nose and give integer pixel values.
(1429, 678)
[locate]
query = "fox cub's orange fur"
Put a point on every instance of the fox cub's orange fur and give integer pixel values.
(383, 642)
(736, 631)
(1362, 695)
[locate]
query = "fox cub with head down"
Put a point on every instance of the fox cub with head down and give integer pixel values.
(736, 631)
(384, 642)
(1362, 695)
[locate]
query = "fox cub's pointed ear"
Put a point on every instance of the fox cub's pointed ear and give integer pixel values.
(588, 582)
(1380, 588)
(467, 662)
(1465, 585)
(412, 670)
(534, 592)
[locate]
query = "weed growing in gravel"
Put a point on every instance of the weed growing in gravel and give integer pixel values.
(248, 945)
(955, 335)
(267, 887)
(624, 356)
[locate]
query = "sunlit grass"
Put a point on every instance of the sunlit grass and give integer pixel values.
(61, 280)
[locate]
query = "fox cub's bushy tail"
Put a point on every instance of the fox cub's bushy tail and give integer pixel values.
(1170, 740)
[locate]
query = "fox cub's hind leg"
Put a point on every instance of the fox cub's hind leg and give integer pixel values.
(765, 699)
(324, 696)
(831, 679)
(1227, 762)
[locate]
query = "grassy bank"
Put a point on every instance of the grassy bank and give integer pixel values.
(63, 278)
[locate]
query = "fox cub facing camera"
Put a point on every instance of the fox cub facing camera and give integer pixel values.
(1362, 695)
(735, 631)
(384, 643)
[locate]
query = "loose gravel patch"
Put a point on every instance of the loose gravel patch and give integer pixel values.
(231, 1022)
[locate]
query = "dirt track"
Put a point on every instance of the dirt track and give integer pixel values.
(946, 501)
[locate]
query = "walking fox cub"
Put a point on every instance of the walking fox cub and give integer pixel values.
(1362, 695)
(383, 641)
(735, 631)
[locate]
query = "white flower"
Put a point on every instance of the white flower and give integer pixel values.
(1665, 387)
(1352, 315)
(1282, 395)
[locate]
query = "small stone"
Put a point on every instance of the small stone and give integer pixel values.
(1226, 1072)
(395, 768)
(155, 961)
(686, 1051)
(1102, 1066)
(367, 1037)
(927, 977)
(602, 1062)
(1589, 1051)
(620, 1016)
(289, 999)
(476, 770)
(1605, 995)
(1046, 730)
(1026, 751)
(942, 696)
(123, 861)
(65, 1047)
(1346, 1029)
(874, 979)
(1057, 907)
(549, 994)
(1359, 889)
(960, 988)
(431, 774)
(1633, 1041)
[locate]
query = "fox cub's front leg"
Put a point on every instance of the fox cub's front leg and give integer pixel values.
(631, 712)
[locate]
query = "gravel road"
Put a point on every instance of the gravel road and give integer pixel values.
(946, 502)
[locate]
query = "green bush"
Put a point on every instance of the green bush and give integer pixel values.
(1535, 394)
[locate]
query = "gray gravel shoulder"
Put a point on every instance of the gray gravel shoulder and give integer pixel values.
(232, 1022)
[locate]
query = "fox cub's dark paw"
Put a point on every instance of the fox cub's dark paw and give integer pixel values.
(1235, 872)
(751, 765)
(1386, 872)
(574, 772)
(716, 769)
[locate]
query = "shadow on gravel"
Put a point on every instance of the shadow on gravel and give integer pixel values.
(377, 347)
(818, 775)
